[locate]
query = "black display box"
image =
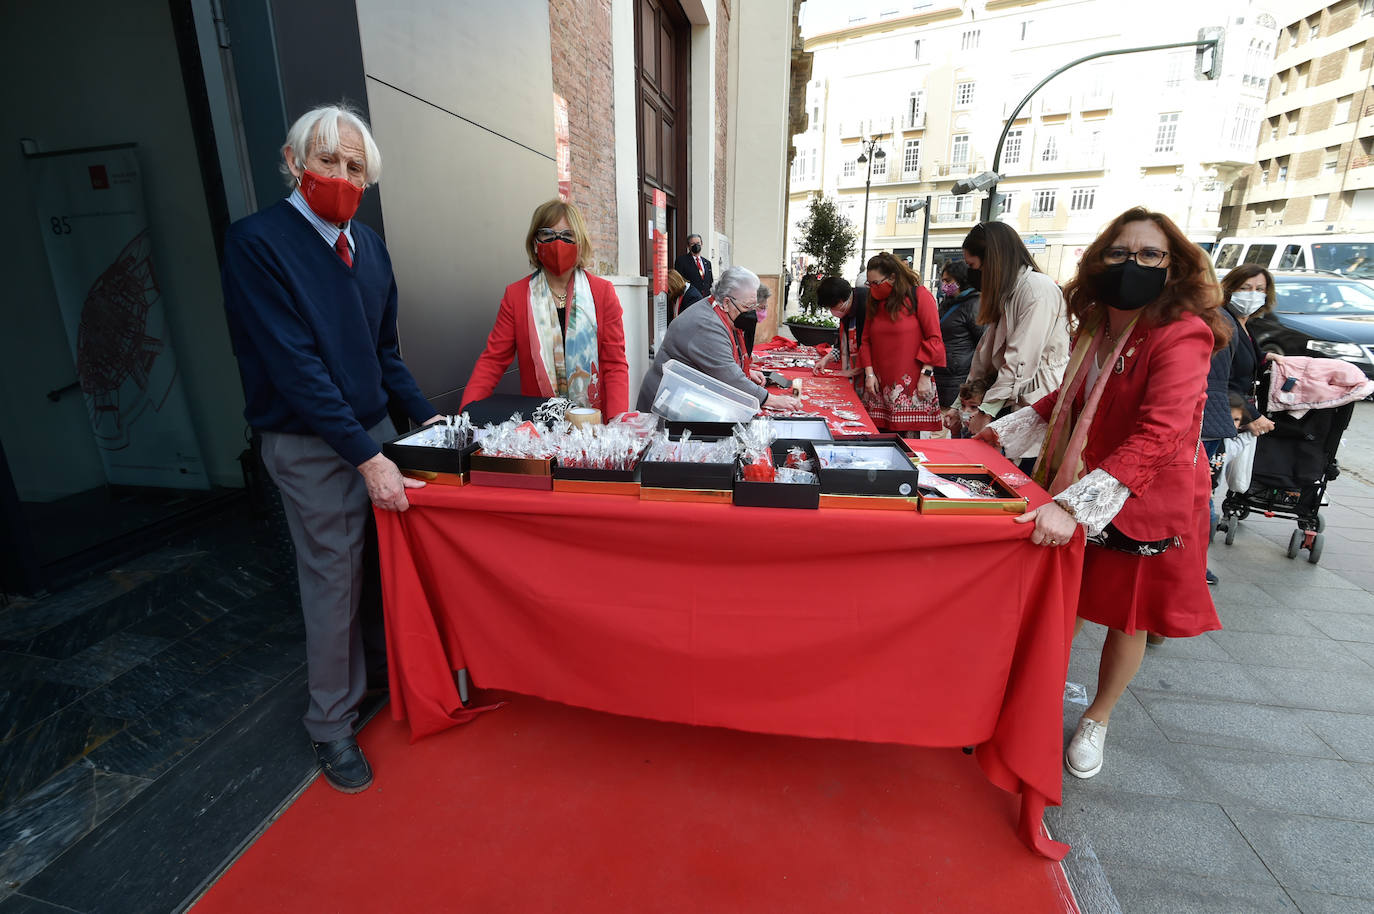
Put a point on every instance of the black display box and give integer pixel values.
(898, 482)
(662, 480)
(779, 494)
(432, 463)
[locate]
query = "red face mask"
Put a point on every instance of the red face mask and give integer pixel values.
(558, 257)
(879, 291)
(333, 199)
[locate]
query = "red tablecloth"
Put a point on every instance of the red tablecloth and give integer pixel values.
(883, 626)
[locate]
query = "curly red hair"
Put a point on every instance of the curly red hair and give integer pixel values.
(1191, 284)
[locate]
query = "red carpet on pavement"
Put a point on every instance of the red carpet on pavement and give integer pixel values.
(543, 807)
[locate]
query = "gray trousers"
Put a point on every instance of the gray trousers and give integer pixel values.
(330, 517)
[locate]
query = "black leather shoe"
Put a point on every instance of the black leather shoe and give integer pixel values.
(343, 765)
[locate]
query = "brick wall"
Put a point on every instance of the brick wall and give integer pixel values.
(580, 36)
(722, 119)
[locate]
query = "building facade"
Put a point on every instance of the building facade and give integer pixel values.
(936, 84)
(1312, 173)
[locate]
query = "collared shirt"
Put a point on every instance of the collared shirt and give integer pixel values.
(328, 230)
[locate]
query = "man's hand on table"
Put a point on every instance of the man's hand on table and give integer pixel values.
(756, 376)
(433, 419)
(385, 484)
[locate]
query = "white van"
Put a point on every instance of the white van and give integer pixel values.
(1347, 255)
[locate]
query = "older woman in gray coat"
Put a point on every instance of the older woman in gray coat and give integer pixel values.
(710, 340)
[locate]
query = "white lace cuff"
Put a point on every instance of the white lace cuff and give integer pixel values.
(1020, 433)
(1095, 500)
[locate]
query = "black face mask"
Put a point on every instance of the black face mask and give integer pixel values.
(975, 278)
(1133, 286)
(746, 320)
(695, 249)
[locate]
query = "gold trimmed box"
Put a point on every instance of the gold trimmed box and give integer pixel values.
(1008, 501)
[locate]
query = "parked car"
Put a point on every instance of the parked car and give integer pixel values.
(1319, 315)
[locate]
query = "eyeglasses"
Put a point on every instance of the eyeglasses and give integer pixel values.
(545, 235)
(746, 305)
(1146, 257)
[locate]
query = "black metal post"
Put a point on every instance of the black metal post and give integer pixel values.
(868, 181)
(986, 210)
(925, 238)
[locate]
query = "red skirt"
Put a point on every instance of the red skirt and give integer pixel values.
(1166, 594)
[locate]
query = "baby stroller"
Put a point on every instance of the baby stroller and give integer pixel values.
(1311, 402)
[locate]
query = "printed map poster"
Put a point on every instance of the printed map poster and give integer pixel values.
(100, 252)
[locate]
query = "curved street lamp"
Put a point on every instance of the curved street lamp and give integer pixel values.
(871, 151)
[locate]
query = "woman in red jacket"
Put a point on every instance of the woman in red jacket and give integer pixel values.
(1121, 452)
(901, 348)
(561, 323)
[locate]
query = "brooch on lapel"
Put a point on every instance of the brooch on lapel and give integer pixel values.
(1121, 360)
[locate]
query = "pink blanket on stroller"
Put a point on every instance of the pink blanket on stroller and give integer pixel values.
(1317, 384)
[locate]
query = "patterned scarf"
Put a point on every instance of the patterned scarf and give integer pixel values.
(566, 360)
(1061, 456)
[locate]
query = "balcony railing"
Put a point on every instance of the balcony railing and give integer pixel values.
(1056, 104)
(969, 214)
(968, 166)
(913, 122)
(1095, 101)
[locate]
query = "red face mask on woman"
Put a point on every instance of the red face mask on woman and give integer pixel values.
(557, 256)
(879, 291)
(333, 199)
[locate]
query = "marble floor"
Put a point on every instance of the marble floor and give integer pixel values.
(172, 680)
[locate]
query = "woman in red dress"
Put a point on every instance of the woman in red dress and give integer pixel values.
(901, 348)
(1121, 449)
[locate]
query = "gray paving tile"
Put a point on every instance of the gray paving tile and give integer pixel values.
(1314, 903)
(1144, 891)
(1284, 783)
(1200, 679)
(1237, 590)
(1320, 691)
(1350, 735)
(1176, 836)
(1200, 647)
(1362, 650)
(1343, 626)
(1349, 599)
(1234, 725)
(1290, 651)
(1310, 854)
(1265, 617)
(1365, 770)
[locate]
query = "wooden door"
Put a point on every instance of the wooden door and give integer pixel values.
(661, 58)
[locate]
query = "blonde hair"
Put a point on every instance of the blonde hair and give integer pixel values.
(546, 215)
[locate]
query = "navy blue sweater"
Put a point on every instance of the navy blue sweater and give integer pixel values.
(315, 339)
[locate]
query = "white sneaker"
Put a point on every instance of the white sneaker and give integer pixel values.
(1083, 758)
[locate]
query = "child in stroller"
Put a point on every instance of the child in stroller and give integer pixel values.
(1310, 401)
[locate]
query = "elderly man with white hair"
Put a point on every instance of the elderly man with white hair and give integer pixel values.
(711, 340)
(311, 302)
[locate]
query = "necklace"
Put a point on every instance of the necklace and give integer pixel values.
(561, 299)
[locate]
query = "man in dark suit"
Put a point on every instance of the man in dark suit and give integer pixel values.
(695, 268)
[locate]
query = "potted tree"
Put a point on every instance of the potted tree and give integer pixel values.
(828, 238)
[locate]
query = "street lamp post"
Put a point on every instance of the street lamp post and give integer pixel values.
(909, 210)
(871, 152)
(1209, 38)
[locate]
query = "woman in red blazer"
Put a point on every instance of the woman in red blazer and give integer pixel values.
(562, 324)
(1121, 452)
